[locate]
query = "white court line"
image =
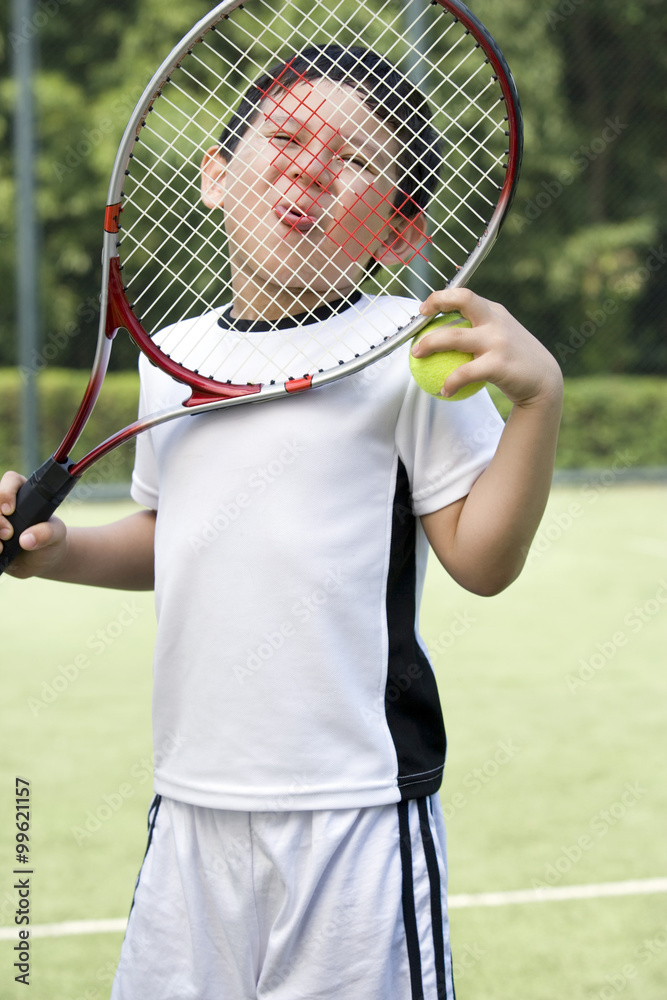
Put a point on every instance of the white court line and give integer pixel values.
(549, 894)
(635, 887)
(69, 927)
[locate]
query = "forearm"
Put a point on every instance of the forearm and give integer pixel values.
(483, 541)
(118, 555)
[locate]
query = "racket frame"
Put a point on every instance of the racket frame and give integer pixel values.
(50, 484)
(207, 394)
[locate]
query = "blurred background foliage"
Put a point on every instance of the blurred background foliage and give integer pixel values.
(581, 260)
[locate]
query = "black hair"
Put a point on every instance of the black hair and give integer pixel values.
(388, 94)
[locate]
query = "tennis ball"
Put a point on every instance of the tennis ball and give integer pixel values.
(430, 373)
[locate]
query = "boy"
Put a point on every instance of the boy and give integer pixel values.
(296, 843)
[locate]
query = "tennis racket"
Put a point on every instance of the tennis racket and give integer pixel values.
(289, 157)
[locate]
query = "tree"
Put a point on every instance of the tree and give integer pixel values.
(586, 234)
(94, 62)
(579, 261)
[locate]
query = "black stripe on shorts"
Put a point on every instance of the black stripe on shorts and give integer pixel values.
(408, 900)
(152, 819)
(408, 896)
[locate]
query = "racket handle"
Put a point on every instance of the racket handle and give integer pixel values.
(36, 501)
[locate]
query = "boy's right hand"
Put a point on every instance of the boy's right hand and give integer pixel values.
(43, 545)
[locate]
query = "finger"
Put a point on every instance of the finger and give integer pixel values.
(449, 338)
(10, 484)
(470, 305)
(472, 371)
(39, 536)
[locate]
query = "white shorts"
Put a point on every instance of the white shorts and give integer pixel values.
(346, 904)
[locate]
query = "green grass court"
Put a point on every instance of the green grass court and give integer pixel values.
(554, 696)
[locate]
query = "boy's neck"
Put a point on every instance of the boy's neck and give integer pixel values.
(273, 302)
(324, 312)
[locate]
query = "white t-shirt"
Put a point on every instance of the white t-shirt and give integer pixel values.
(289, 673)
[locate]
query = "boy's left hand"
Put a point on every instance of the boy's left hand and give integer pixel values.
(506, 354)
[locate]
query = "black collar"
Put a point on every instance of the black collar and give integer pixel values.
(323, 312)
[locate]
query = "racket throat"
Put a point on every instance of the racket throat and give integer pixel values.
(53, 480)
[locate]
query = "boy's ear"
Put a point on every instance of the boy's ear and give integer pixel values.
(402, 239)
(213, 173)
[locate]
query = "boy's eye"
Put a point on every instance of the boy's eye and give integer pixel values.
(353, 159)
(357, 161)
(283, 139)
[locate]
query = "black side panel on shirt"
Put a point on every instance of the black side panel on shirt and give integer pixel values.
(412, 703)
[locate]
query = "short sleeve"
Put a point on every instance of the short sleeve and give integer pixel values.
(445, 445)
(144, 489)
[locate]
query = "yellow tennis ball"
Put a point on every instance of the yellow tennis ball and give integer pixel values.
(430, 373)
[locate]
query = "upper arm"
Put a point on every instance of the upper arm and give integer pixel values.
(466, 548)
(440, 529)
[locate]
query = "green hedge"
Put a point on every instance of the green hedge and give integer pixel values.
(617, 421)
(60, 392)
(608, 421)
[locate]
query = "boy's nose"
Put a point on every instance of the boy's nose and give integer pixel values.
(316, 163)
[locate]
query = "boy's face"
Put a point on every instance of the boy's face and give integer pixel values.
(307, 197)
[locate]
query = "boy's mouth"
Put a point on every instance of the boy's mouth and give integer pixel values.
(293, 217)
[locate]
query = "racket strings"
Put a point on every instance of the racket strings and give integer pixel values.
(155, 227)
(360, 220)
(175, 252)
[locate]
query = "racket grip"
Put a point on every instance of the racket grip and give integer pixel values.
(36, 501)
